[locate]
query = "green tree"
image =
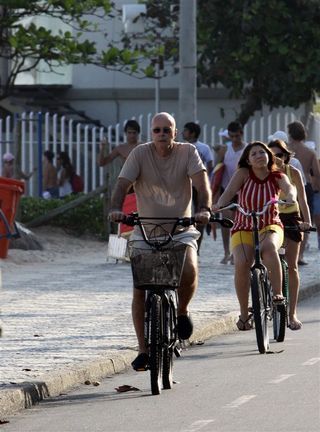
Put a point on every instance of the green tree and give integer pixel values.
(24, 44)
(262, 51)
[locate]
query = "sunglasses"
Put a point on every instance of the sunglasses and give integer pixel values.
(165, 130)
(279, 155)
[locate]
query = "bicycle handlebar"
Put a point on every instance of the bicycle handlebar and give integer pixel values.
(251, 212)
(298, 228)
(134, 219)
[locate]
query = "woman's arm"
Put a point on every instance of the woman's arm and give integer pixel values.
(232, 188)
(287, 188)
(301, 195)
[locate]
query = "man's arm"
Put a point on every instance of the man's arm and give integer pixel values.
(120, 191)
(105, 160)
(201, 183)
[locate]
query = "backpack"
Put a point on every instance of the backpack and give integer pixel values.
(77, 183)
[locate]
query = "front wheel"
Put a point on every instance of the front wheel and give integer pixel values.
(155, 344)
(259, 291)
(169, 324)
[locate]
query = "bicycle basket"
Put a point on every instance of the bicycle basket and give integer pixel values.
(156, 268)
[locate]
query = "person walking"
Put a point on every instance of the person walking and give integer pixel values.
(122, 151)
(163, 172)
(229, 155)
(50, 176)
(191, 132)
(310, 164)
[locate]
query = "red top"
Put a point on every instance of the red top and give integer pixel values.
(254, 193)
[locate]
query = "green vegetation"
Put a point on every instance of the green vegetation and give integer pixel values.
(84, 219)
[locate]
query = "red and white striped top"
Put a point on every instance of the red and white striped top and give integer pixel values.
(253, 194)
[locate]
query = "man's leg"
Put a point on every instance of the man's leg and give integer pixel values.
(188, 285)
(138, 317)
(189, 281)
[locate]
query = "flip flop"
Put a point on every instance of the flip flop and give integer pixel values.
(246, 324)
(295, 325)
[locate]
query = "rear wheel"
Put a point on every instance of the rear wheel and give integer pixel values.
(155, 344)
(279, 322)
(259, 292)
(280, 311)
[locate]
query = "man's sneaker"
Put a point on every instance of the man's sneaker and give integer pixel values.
(184, 327)
(141, 362)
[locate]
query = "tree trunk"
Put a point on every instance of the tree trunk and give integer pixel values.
(251, 105)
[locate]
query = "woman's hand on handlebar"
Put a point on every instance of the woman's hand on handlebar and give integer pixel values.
(116, 215)
(304, 226)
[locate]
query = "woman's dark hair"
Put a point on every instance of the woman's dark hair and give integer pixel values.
(66, 163)
(244, 159)
(49, 155)
(283, 147)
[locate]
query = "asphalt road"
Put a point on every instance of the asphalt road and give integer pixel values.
(224, 385)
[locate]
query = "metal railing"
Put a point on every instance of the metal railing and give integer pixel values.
(40, 132)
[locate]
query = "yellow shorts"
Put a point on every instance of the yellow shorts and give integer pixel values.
(246, 237)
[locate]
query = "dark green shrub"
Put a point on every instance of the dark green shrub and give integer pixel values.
(87, 218)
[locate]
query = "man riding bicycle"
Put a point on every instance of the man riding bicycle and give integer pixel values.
(163, 172)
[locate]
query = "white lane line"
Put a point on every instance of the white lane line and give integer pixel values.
(311, 361)
(240, 401)
(197, 425)
(280, 378)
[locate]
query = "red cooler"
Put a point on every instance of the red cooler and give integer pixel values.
(10, 192)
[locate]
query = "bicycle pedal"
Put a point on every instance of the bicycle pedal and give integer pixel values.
(177, 351)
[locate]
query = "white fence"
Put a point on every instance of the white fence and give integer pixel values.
(40, 132)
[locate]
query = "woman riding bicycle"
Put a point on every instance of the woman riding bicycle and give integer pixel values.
(297, 215)
(256, 181)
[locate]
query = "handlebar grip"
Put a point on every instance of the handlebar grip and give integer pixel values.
(225, 222)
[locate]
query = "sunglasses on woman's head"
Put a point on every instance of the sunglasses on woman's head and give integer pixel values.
(279, 155)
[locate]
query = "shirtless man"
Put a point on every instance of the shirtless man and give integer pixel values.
(132, 131)
(310, 165)
(230, 154)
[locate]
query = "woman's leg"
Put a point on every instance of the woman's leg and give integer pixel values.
(292, 256)
(270, 242)
(243, 258)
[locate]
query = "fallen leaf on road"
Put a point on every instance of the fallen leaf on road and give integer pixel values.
(96, 383)
(4, 421)
(87, 382)
(27, 370)
(126, 388)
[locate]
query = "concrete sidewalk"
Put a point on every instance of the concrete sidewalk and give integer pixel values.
(68, 321)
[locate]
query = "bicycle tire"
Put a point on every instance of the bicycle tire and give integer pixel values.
(280, 316)
(155, 344)
(167, 364)
(259, 293)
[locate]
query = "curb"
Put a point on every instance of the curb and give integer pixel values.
(15, 398)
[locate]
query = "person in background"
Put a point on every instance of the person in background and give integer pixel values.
(297, 215)
(8, 168)
(65, 171)
(122, 151)
(191, 132)
(256, 181)
(50, 177)
(230, 155)
(310, 164)
(282, 136)
(163, 172)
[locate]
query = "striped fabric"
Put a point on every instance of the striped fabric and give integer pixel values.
(252, 196)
